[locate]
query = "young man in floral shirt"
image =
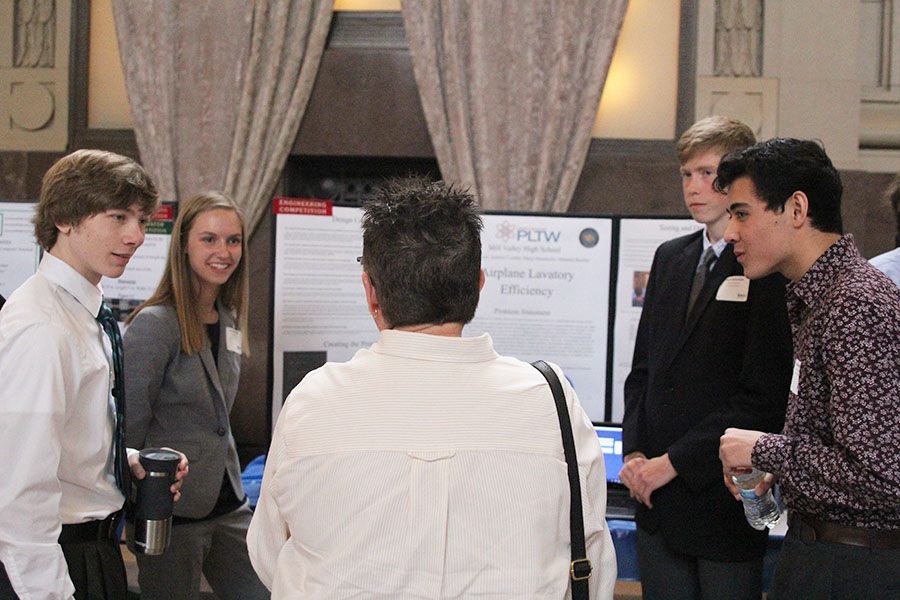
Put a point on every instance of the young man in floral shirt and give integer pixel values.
(838, 457)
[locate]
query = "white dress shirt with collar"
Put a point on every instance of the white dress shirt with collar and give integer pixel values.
(427, 467)
(718, 247)
(889, 264)
(56, 424)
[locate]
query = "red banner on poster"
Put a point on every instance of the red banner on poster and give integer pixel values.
(301, 206)
(165, 212)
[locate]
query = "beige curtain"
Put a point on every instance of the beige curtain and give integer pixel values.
(510, 90)
(288, 40)
(183, 64)
(218, 88)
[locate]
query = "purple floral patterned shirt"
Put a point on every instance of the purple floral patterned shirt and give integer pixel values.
(838, 457)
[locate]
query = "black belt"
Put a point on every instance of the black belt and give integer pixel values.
(92, 531)
(809, 529)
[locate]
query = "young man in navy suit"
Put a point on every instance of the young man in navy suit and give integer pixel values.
(713, 349)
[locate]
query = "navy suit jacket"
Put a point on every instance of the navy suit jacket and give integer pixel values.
(726, 364)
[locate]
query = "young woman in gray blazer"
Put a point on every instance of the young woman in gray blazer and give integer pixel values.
(183, 351)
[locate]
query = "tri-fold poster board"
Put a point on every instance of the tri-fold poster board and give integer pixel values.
(563, 288)
(559, 287)
(19, 251)
(20, 256)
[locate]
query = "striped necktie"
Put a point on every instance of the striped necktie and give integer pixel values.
(120, 458)
(709, 257)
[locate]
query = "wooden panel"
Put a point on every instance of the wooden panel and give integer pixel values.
(364, 103)
(21, 173)
(618, 181)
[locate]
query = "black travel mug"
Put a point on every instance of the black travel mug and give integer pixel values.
(153, 507)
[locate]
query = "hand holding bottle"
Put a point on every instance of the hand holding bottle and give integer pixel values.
(755, 492)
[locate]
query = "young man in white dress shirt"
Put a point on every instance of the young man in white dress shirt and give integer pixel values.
(427, 466)
(59, 498)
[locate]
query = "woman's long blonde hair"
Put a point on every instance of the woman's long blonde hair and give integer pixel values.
(176, 288)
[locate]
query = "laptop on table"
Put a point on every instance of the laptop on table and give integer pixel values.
(619, 503)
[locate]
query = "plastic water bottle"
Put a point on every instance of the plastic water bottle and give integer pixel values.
(761, 511)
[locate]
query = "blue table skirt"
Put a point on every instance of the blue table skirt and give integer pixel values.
(624, 537)
(252, 478)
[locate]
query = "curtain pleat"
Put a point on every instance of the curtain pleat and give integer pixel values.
(183, 64)
(286, 48)
(218, 89)
(510, 91)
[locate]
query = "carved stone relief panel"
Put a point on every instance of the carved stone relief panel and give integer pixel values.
(753, 100)
(730, 67)
(34, 74)
(879, 50)
(879, 73)
(739, 37)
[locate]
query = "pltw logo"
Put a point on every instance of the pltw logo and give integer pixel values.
(507, 232)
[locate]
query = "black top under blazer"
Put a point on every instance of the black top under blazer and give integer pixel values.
(727, 364)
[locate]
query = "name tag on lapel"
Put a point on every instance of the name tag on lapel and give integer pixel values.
(233, 339)
(734, 289)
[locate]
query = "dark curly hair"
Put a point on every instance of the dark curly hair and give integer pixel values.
(781, 166)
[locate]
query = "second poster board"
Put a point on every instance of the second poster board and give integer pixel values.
(548, 292)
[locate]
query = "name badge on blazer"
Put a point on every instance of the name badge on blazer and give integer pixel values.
(734, 289)
(233, 339)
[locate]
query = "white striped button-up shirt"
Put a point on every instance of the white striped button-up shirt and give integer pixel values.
(426, 467)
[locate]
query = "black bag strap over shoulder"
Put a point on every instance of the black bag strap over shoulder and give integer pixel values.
(580, 568)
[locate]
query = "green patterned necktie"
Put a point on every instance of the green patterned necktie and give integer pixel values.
(120, 458)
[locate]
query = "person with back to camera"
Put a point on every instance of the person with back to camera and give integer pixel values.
(183, 349)
(427, 466)
(707, 356)
(838, 456)
(61, 396)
